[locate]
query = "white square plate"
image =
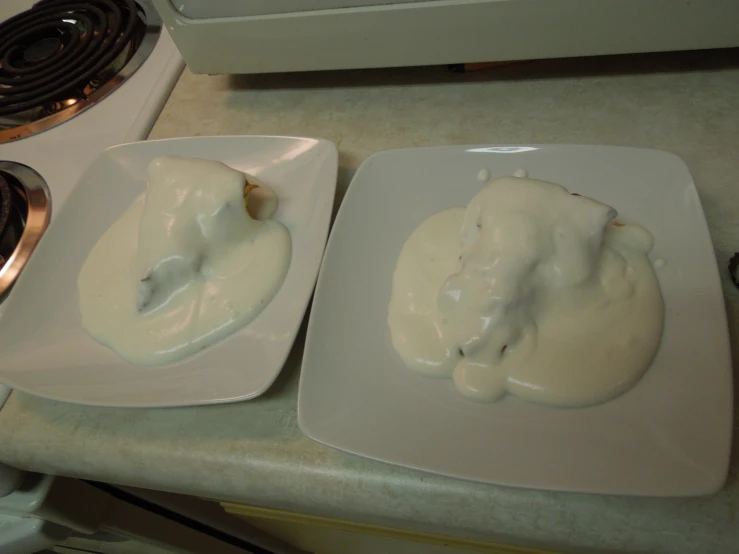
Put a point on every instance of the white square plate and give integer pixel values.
(669, 436)
(46, 352)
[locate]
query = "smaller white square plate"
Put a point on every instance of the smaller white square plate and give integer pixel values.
(669, 436)
(46, 352)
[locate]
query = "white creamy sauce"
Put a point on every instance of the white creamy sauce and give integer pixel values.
(531, 291)
(185, 266)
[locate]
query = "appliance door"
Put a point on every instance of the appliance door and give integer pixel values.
(263, 36)
(45, 510)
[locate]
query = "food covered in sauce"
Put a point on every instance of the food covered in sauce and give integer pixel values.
(531, 291)
(191, 261)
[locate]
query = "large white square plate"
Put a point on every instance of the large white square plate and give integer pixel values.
(46, 352)
(669, 436)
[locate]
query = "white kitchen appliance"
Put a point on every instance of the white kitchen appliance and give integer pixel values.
(265, 36)
(76, 78)
(50, 129)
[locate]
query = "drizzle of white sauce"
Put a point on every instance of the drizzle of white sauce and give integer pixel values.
(185, 266)
(530, 291)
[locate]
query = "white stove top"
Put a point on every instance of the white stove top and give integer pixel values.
(62, 153)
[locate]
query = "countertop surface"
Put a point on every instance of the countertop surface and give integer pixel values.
(253, 452)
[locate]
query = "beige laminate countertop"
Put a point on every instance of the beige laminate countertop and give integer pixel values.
(253, 452)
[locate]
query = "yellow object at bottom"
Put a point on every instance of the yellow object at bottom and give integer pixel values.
(252, 513)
